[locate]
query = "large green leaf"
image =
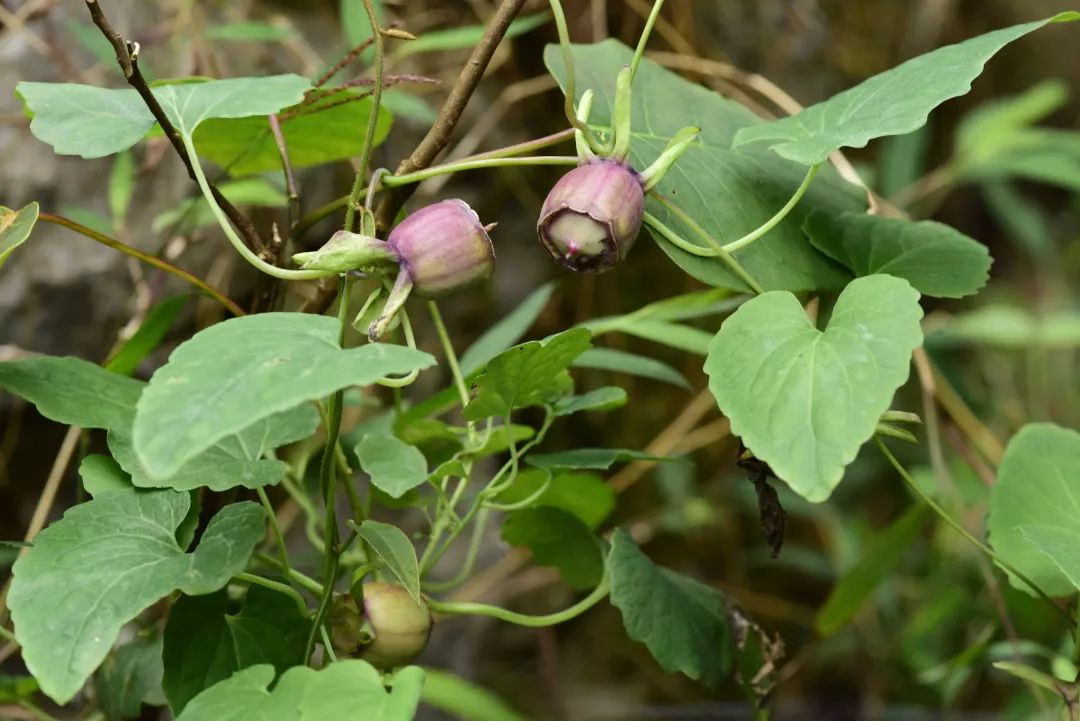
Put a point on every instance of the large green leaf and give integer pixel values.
(313, 136)
(73, 391)
(894, 102)
(876, 563)
(507, 331)
(350, 690)
(205, 643)
(94, 122)
(237, 372)
(528, 374)
(558, 538)
(937, 260)
(105, 561)
(15, 227)
(805, 400)
(1035, 507)
(728, 193)
(395, 466)
(130, 677)
(683, 622)
(236, 460)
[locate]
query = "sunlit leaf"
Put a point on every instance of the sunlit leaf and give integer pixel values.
(804, 400)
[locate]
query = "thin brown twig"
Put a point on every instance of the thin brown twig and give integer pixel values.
(292, 188)
(127, 56)
(144, 257)
(436, 139)
(442, 130)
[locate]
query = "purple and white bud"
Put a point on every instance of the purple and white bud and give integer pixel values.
(592, 216)
(443, 247)
(401, 626)
(440, 248)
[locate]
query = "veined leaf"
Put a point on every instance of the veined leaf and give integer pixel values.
(105, 561)
(908, 92)
(803, 400)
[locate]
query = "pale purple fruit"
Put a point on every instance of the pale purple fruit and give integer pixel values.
(592, 216)
(443, 247)
(400, 625)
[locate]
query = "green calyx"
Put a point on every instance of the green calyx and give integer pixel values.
(590, 148)
(347, 251)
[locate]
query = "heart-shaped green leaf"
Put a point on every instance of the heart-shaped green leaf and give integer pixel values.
(937, 260)
(350, 690)
(238, 372)
(894, 102)
(105, 561)
(1035, 507)
(805, 400)
(15, 227)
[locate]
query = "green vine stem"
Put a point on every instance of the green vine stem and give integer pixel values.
(529, 146)
(521, 619)
(394, 181)
(373, 117)
(145, 258)
(451, 356)
(780, 215)
(300, 578)
(675, 239)
(245, 252)
(471, 555)
(570, 92)
(271, 517)
(644, 39)
(959, 528)
(289, 591)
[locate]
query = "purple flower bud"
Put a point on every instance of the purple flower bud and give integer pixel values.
(401, 626)
(592, 216)
(443, 247)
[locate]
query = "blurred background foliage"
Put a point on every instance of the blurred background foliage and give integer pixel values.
(1002, 164)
